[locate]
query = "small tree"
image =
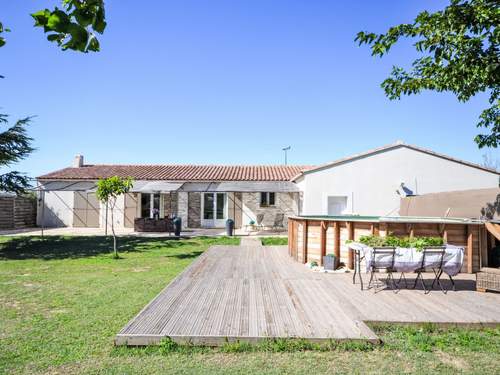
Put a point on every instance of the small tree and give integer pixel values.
(108, 190)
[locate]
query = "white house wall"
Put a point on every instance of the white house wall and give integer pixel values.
(370, 183)
(118, 214)
(57, 210)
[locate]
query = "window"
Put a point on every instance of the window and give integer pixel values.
(145, 205)
(220, 206)
(151, 205)
(267, 199)
(208, 206)
(214, 206)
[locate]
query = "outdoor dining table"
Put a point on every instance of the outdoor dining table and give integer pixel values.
(408, 260)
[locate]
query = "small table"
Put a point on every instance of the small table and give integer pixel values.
(410, 260)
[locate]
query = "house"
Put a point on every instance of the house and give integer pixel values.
(373, 182)
(203, 196)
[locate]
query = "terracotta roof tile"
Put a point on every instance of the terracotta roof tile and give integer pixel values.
(180, 172)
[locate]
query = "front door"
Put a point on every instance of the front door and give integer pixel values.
(214, 210)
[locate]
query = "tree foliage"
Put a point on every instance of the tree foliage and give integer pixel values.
(460, 54)
(15, 145)
(2, 38)
(108, 190)
(74, 26)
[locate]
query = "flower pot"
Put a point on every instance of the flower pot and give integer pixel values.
(330, 263)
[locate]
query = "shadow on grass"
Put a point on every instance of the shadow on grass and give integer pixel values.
(61, 247)
(193, 254)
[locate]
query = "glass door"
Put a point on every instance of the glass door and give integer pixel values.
(214, 210)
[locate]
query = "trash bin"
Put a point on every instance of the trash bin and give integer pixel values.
(177, 226)
(229, 227)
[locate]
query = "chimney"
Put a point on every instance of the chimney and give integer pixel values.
(78, 161)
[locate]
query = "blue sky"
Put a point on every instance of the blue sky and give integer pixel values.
(223, 82)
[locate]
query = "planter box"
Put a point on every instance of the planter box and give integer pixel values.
(330, 263)
(153, 225)
(488, 279)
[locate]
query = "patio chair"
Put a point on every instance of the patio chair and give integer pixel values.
(259, 218)
(383, 259)
(278, 221)
(438, 253)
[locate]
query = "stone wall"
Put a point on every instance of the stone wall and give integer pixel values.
(170, 204)
(286, 203)
(17, 212)
(182, 208)
(194, 210)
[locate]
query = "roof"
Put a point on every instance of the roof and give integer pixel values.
(179, 172)
(392, 146)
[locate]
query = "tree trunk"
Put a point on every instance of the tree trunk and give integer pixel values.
(113, 229)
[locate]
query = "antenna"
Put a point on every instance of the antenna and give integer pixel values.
(286, 149)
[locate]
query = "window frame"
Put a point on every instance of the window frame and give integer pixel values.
(150, 203)
(265, 199)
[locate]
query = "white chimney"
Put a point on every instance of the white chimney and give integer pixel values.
(78, 161)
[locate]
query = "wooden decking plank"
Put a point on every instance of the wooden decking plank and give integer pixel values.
(252, 292)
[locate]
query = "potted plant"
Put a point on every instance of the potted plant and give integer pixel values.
(251, 225)
(330, 262)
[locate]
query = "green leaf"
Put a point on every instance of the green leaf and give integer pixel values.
(53, 37)
(99, 23)
(84, 17)
(41, 17)
(93, 44)
(79, 38)
(58, 21)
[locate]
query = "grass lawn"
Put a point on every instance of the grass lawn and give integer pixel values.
(62, 300)
(274, 241)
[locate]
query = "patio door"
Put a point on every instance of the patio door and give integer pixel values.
(214, 206)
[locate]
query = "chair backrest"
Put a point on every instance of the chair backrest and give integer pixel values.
(259, 218)
(383, 257)
(278, 220)
(433, 256)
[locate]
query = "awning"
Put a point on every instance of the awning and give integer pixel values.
(494, 229)
(241, 186)
(155, 186)
(67, 186)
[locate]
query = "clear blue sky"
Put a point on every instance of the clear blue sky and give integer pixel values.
(223, 82)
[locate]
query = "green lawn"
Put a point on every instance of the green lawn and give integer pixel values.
(62, 300)
(274, 241)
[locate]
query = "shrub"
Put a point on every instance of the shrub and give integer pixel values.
(407, 242)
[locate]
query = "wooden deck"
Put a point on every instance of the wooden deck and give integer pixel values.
(250, 293)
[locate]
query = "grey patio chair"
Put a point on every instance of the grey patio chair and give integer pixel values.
(259, 218)
(278, 221)
(383, 259)
(436, 265)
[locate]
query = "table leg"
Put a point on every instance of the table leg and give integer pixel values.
(355, 267)
(359, 271)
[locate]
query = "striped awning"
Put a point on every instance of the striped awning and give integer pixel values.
(241, 186)
(155, 186)
(67, 186)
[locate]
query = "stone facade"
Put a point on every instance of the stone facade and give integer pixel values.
(285, 203)
(182, 208)
(194, 210)
(170, 200)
